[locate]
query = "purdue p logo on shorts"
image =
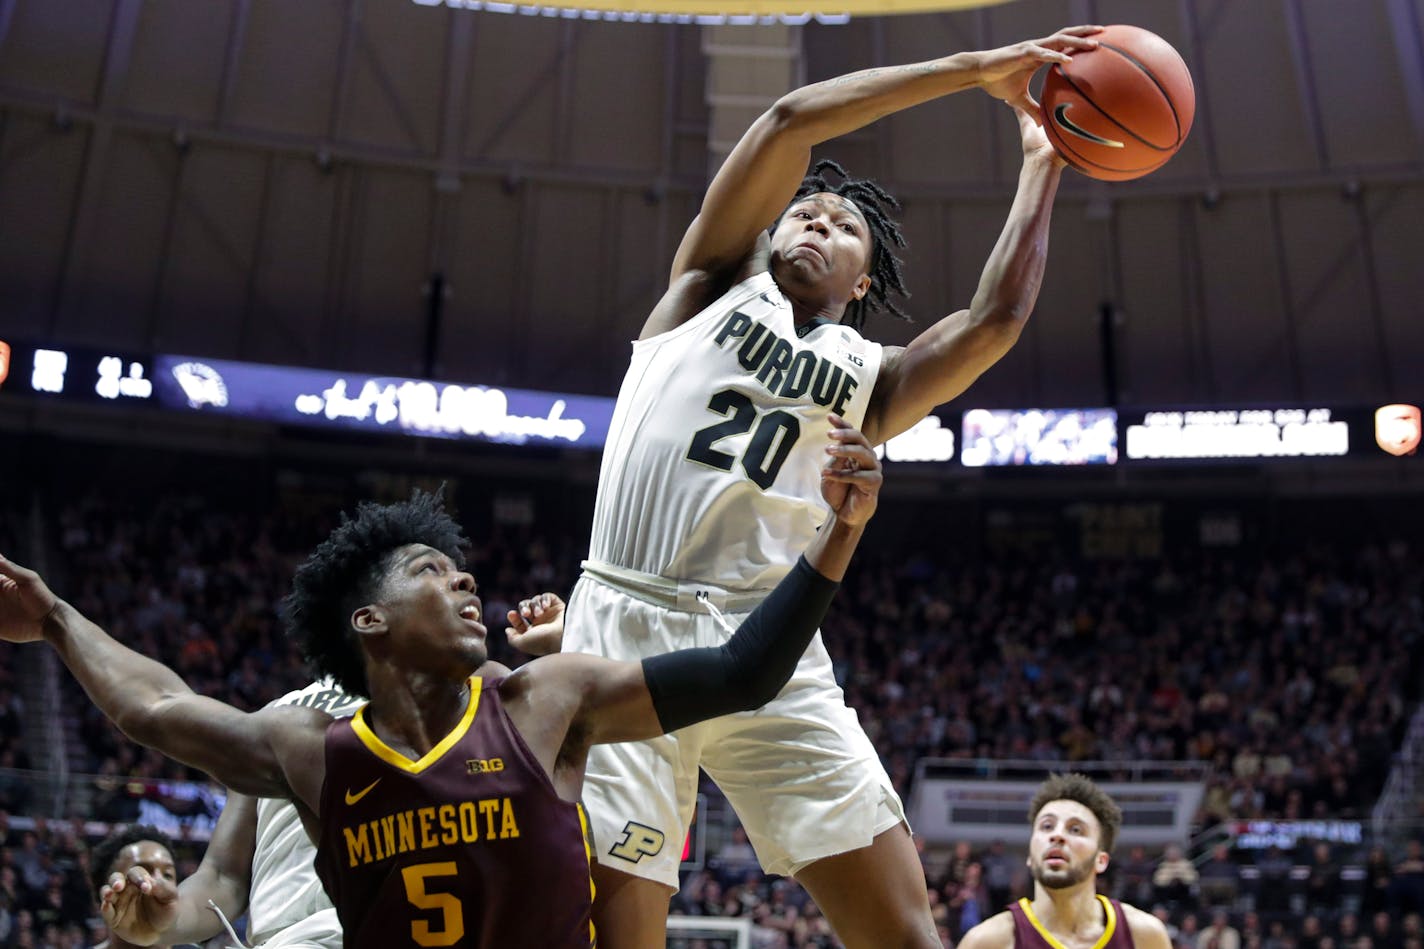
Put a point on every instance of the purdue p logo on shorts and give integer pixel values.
(638, 841)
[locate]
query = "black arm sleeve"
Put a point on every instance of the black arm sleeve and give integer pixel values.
(746, 672)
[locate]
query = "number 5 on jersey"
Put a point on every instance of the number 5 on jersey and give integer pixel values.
(773, 436)
(452, 914)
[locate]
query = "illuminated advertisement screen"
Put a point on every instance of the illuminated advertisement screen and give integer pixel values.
(1005, 437)
(327, 399)
(75, 375)
(1247, 434)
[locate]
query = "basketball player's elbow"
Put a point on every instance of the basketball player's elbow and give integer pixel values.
(145, 719)
(997, 326)
(795, 117)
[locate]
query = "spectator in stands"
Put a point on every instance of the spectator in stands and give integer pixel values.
(968, 901)
(999, 871)
(1322, 885)
(1407, 888)
(1134, 877)
(1378, 883)
(1273, 888)
(1220, 877)
(735, 857)
(1220, 934)
(1347, 930)
(1189, 932)
(1311, 931)
(1174, 882)
(1383, 932)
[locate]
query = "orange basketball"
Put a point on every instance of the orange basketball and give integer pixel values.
(1121, 110)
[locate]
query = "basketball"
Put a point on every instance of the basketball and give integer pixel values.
(1122, 110)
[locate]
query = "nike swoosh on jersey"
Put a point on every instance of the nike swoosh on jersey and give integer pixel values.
(353, 798)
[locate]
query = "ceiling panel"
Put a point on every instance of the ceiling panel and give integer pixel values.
(39, 181)
(179, 53)
(56, 48)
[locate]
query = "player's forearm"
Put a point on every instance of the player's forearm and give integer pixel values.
(823, 110)
(746, 672)
(1009, 284)
(125, 685)
(830, 553)
(196, 921)
(155, 708)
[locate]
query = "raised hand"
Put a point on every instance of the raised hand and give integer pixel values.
(138, 906)
(851, 476)
(1004, 73)
(25, 603)
(537, 626)
(1035, 139)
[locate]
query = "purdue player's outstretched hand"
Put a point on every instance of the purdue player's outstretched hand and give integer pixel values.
(138, 906)
(537, 626)
(25, 602)
(851, 476)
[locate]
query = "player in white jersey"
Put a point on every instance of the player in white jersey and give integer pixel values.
(708, 488)
(259, 860)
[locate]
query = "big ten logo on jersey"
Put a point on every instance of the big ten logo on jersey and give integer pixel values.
(785, 370)
(484, 765)
(638, 841)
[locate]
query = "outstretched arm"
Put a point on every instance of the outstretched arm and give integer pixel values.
(153, 706)
(942, 361)
(761, 174)
(624, 701)
(146, 910)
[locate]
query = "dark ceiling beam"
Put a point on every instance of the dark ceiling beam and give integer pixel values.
(1302, 64)
(118, 57)
(1409, 48)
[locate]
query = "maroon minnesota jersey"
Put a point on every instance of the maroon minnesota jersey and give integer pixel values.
(1029, 933)
(469, 847)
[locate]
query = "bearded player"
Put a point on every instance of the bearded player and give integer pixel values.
(1075, 824)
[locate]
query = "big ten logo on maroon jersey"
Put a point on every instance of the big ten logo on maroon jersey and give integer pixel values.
(783, 369)
(484, 765)
(638, 841)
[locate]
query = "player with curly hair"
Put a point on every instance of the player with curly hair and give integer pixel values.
(446, 810)
(709, 481)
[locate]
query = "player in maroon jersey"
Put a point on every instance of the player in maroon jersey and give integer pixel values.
(446, 809)
(1075, 824)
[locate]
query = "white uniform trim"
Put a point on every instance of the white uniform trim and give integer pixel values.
(287, 906)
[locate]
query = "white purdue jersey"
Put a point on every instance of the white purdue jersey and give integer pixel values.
(712, 467)
(285, 891)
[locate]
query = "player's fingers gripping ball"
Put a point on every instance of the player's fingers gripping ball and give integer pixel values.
(1122, 110)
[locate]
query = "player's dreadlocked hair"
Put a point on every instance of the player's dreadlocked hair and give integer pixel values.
(1079, 787)
(874, 202)
(344, 573)
(106, 851)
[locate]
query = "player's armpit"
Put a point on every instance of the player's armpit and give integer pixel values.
(612, 701)
(934, 368)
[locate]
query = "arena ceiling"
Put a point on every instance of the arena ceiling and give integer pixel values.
(279, 180)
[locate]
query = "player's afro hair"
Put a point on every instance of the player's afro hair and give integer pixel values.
(886, 277)
(1079, 787)
(106, 851)
(345, 572)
